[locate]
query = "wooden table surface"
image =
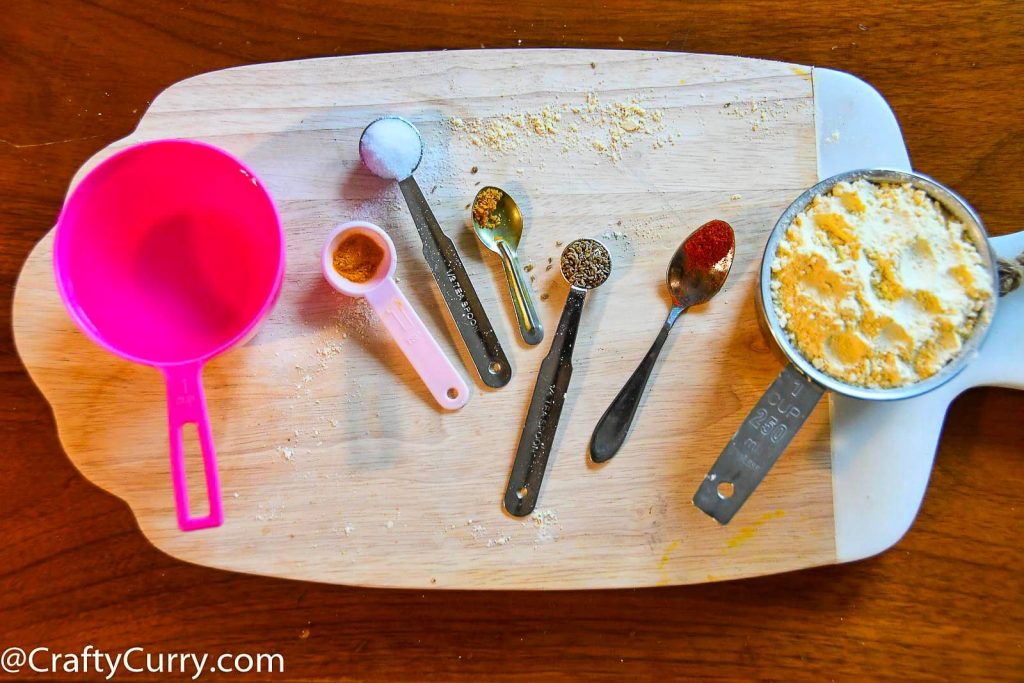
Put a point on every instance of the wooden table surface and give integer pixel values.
(945, 603)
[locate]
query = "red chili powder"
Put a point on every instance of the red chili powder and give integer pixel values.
(709, 244)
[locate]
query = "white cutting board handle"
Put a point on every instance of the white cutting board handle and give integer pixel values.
(882, 453)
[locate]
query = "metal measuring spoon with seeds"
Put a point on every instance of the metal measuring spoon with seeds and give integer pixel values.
(585, 265)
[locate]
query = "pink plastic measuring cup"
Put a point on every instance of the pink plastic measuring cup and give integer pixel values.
(167, 254)
(413, 338)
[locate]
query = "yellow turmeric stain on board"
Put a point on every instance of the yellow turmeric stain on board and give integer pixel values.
(664, 556)
(663, 562)
(747, 532)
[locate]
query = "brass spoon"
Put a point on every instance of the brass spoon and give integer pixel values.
(501, 234)
(689, 284)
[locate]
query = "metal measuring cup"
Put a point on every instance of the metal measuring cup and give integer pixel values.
(552, 383)
(786, 405)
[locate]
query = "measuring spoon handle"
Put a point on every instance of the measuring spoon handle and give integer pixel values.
(612, 428)
(457, 290)
(522, 299)
(418, 345)
(757, 444)
(545, 408)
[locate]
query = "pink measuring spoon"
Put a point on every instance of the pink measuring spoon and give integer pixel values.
(167, 254)
(413, 338)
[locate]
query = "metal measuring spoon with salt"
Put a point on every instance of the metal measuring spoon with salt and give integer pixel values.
(391, 148)
(585, 264)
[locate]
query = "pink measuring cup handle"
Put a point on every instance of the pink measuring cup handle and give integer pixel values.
(419, 346)
(186, 404)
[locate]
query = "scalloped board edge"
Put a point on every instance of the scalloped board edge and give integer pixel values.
(876, 490)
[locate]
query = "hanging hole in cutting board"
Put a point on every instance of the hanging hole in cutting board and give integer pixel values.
(521, 493)
(495, 368)
(453, 393)
(195, 474)
(725, 489)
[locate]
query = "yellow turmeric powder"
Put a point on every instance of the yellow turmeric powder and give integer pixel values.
(484, 206)
(357, 258)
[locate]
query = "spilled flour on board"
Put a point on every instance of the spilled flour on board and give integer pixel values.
(269, 510)
(587, 125)
(541, 528)
(545, 522)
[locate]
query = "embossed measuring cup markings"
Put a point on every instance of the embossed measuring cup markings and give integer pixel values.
(585, 265)
(167, 254)
(789, 401)
(392, 148)
(399, 318)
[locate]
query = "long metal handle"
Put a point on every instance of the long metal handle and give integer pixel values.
(757, 444)
(457, 290)
(522, 299)
(545, 408)
(612, 428)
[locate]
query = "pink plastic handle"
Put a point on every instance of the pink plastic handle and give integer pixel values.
(187, 405)
(418, 345)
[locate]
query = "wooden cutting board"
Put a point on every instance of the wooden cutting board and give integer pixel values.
(336, 465)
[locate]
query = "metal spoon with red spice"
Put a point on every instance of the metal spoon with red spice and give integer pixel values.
(697, 271)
